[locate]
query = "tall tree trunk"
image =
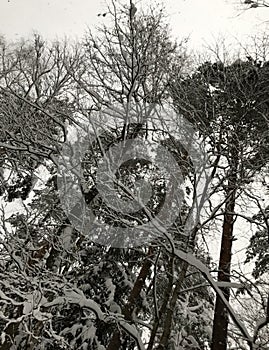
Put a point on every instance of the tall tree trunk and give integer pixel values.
(221, 319)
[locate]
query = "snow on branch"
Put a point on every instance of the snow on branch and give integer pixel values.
(192, 260)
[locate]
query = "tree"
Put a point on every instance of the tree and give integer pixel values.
(77, 293)
(229, 104)
(136, 73)
(35, 104)
(66, 287)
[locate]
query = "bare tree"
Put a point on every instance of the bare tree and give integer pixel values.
(36, 96)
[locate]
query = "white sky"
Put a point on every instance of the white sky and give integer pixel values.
(203, 20)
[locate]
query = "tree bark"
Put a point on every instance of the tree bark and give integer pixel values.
(221, 319)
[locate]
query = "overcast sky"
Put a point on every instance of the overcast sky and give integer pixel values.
(203, 20)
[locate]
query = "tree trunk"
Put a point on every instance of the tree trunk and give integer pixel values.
(221, 319)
